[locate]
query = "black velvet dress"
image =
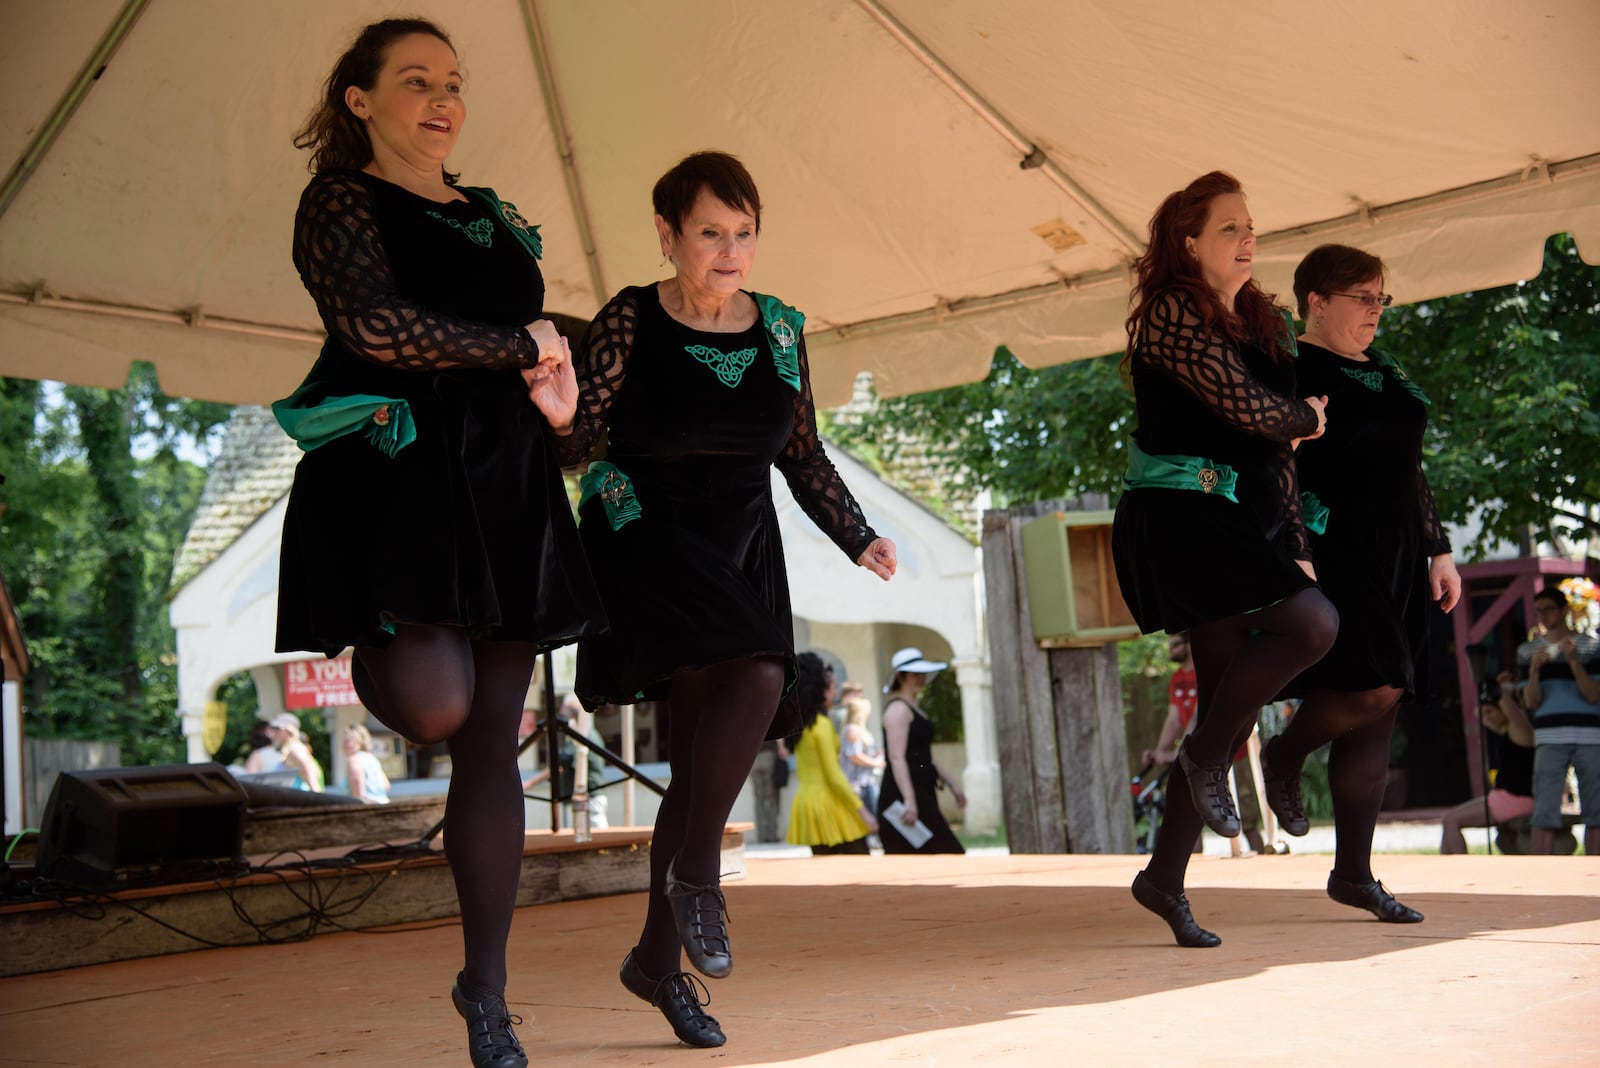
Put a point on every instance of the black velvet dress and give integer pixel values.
(1186, 557)
(925, 784)
(690, 566)
(469, 525)
(1372, 561)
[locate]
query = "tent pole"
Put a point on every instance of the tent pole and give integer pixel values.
(58, 118)
(558, 130)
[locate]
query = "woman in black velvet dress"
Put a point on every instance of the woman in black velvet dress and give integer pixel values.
(448, 560)
(1208, 535)
(703, 388)
(1382, 557)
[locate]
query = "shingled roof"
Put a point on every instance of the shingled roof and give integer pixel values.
(250, 474)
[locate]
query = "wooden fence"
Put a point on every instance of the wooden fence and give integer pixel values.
(45, 758)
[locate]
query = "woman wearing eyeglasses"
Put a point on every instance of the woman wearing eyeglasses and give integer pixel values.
(1381, 556)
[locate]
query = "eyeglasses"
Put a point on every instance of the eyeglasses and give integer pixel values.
(1382, 300)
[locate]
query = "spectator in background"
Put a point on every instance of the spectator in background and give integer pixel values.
(1562, 695)
(826, 814)
(368, 782)
(1512, 795)
(860, 755)
(285, 731)
(264, 756)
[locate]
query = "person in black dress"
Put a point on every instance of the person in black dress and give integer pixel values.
(703, 388)
(447, 559)
(1382, 558)
(1208, 537)
(913, 776)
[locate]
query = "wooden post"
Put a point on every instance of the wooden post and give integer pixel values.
(1058, 713)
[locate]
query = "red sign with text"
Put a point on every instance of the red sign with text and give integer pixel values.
(318, 684)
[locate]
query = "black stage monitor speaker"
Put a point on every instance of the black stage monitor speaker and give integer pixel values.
(111, 823)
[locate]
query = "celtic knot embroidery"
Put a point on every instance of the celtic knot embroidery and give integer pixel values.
(728, 366)
(481, 231)
(1373, 380)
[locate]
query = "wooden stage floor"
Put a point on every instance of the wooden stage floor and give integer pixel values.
(1022, 960)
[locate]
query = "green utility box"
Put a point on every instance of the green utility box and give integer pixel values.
(1072, 584)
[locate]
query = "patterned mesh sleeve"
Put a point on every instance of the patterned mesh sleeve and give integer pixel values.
(600, 365)
(1173, 339)
(1295, 538)
(340, 255)
(1434, 539)
(814, 481)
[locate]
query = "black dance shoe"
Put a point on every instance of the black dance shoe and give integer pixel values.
(490, 1041)
(1175, 910)
(675, 996)
(1283, 796)
(1372, 897)
(1208, 789)
(701, 914)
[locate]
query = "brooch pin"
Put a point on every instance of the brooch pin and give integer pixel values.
(1207, 477)
(381, 416)
(783, 334)
(511, 215)
(613, 487)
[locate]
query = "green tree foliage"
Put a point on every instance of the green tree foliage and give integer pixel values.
(97, 500)
(1514, 426)
(1514, 375)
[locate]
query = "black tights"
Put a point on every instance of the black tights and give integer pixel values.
(1240, 664)
(434, 684)
(1359, 724)
(720, 716)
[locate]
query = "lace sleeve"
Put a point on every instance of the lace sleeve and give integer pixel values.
(1434, 539)
(340, 255)
(1295, 538)
(1173, 338)
(600, 365)
(814, 481)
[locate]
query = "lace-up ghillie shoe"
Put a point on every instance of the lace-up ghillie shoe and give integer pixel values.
(701, 914)
(490, 1041)
(1208, 789)
(1174, 908)
(1283, 796)
(679, 1001)
(1372, 897)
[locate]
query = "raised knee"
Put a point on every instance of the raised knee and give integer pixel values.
(424, 726)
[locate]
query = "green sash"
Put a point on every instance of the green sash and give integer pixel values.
(783, 325)
(1313, 513)
(385, 421)
(615, 490)
(1179, 472)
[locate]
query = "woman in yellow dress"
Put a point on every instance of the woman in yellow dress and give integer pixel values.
(826, 814)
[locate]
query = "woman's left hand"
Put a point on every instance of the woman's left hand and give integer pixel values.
(1444, 582)
(553, 388)
(879, 558)
(961, 798)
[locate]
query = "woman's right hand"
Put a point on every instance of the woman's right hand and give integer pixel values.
(1320, 406)
(552, 383)
(909, 815)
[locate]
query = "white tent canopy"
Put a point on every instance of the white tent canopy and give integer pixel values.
(910, 156)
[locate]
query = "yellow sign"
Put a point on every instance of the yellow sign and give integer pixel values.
(213, 725)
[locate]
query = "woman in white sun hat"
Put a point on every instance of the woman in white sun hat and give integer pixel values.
(914, 778)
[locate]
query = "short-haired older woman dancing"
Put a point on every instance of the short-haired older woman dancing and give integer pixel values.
(704, 387)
